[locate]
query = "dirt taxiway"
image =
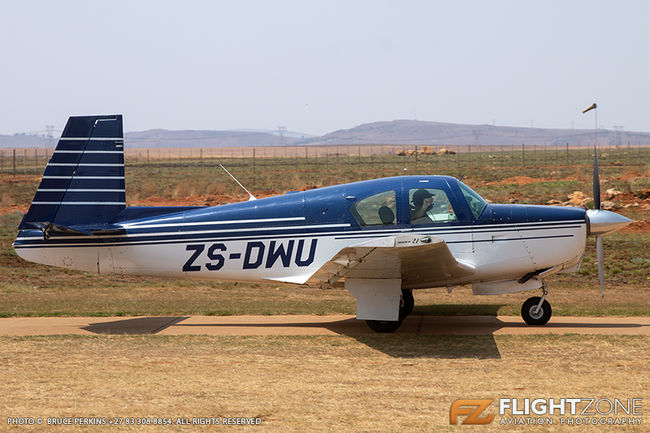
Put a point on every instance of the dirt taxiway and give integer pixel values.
(316, 325)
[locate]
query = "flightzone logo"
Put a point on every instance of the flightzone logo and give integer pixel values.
(471, 410)
(549, 411)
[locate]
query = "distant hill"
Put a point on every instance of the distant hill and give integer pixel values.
(25, 140)
(190, 138)
(436, 133)
(399, 132)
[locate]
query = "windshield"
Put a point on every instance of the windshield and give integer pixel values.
(476, 202)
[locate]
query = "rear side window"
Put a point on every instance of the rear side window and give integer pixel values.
(378, 209)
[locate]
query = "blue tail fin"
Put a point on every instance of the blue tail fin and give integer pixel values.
(83, 184)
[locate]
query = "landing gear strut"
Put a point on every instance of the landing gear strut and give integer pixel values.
(405, 309)
(537, 311)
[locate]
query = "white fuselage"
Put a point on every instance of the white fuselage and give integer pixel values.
(496, 251)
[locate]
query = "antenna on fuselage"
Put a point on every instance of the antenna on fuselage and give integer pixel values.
(250, 196)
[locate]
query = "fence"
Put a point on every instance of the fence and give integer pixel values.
(32, 161)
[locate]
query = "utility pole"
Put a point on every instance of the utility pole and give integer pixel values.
(50, 130)
(618, 129)
(281, 131)
(477, 135)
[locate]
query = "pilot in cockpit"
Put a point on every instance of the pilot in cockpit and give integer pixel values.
(426, 209)
(422, 201)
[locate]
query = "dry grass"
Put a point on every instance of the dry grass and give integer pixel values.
(374, 383)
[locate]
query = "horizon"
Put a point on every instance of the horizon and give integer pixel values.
(308, 135)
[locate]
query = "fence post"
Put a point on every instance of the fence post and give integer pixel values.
(416, 156)
(567, 154)
(14, 163)
(503, 156)
(523, 157)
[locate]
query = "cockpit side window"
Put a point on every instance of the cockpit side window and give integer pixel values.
(476, 202)
(430, 206)
(378, 209)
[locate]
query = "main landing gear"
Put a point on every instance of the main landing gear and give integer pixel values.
(405, 309)
(537, 311)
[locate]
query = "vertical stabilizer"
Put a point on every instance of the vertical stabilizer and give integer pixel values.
(83, 184)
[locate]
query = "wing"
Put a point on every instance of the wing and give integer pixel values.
(419, 261)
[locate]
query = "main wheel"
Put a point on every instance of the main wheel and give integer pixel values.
(532, 316)
(383, 326)
(407, 303)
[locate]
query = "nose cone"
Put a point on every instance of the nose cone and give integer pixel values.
(602, 222)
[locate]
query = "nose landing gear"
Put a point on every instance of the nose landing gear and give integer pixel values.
(537, 311)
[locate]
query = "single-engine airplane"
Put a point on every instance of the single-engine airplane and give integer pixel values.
(380, 238)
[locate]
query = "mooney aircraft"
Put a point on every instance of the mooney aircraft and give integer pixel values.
(380, 239)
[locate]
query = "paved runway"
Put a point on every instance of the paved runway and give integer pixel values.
(316, 325)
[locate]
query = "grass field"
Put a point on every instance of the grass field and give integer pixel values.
(371, 383)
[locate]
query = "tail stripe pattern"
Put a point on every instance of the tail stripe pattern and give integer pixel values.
(83, 183)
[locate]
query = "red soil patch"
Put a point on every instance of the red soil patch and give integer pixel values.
(517, 180)
(20, 178)
(4, 210)
(630, 175)
(642, 226)
(198, 200)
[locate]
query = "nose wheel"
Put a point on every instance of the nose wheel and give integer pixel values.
(537, 311)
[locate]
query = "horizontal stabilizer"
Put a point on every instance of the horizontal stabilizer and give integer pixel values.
(49, 229)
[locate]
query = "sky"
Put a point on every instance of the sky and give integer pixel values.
(319, 66)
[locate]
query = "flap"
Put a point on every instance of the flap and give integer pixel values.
(419, 261)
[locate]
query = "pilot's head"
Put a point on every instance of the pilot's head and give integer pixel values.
(422, 197)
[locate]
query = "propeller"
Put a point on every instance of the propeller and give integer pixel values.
(601, 222)
(599, 239)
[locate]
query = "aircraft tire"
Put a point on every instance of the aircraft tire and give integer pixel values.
(536, 319)
(384, 326)
(409, 302)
